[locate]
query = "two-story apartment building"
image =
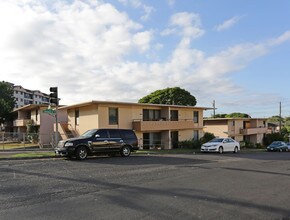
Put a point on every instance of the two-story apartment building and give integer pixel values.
(156, 126)
(34, 115)
(241, 129)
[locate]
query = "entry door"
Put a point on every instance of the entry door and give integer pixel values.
(101, 142)
(174, 139)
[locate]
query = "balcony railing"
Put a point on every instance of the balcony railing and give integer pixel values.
(21, 122)
(250, 131)
(139, 125)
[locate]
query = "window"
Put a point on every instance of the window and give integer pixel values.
(114, 134)
(36, 115)
(128, 134)
(77, 117)
(152, 140)
(113, 116)
(195, 116)
(151, 115)
(102, 133)
(173, 115)
(195, 135)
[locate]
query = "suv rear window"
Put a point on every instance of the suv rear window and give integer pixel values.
(127, 134)
(114, 134)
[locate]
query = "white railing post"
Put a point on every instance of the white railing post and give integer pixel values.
(23, 138)
(3, 139)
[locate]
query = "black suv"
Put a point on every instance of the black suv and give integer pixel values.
(99, 141)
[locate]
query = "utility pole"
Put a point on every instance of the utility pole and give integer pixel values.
(213, 104)
(280, 118)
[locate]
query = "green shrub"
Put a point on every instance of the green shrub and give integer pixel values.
(185, 144)
(207, 137)
(269, 138)
(191, 144)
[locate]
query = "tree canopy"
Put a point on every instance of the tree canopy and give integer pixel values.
(7, 101)
(233, 115)
(170, 96)
(238, 115)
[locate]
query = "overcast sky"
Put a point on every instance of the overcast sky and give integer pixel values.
(234, 52)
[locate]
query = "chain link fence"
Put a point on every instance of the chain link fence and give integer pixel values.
(26, 141)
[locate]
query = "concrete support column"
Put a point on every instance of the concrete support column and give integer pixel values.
(166, 139)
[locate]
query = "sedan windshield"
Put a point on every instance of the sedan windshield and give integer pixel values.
(217, 140)
(276, 144)
(89, 133)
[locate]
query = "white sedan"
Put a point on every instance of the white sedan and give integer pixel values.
(221, 145)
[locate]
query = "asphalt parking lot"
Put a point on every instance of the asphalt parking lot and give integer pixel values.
(200, 186)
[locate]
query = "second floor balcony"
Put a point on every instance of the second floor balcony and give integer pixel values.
(21, 122)
(250, 131)
(162, 125)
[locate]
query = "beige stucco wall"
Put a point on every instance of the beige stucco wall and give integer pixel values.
(234, 126)
(259, 138)
(217, 130)
(185, 135)
(88, 118)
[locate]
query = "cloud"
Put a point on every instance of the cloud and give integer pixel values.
(138, 4)
(92, 51)
(228, 23)
(280, 40)
(187, 25)
(70, 45)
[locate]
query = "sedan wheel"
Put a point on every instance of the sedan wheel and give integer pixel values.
(221, 150)
(236, 150)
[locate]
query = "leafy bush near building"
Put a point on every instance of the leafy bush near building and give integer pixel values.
(196, 144)
(269, 138)
(32, 133)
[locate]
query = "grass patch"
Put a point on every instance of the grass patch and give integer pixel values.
(17, 146)
(253, 150)
(168, 151)
(30, 155)
(191, 151)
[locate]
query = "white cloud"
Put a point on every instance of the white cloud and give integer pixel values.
(71, 45)
(188, 25)
(228, 23)
(83, 48)
(281, 39)
(142, 40)
(138, 4)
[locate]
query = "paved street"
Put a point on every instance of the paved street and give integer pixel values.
(201, 186)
